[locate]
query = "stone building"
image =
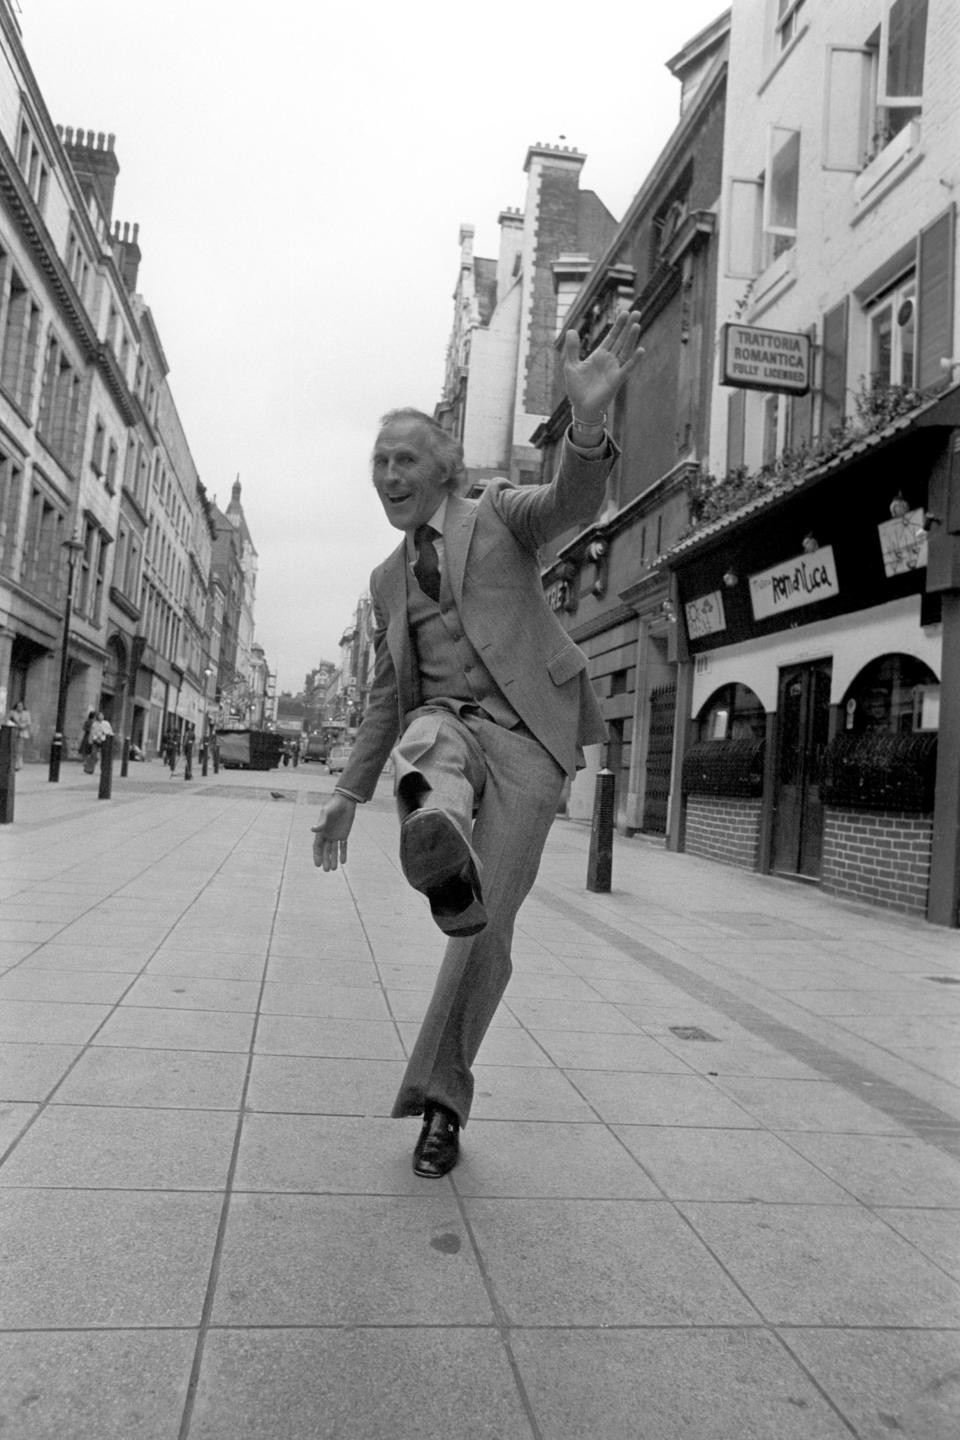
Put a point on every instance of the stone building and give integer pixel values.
(501, 358)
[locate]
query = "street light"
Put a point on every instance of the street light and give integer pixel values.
(73, 548)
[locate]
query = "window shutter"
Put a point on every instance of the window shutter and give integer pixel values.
(834, 379)
(736, 423)
(935, 262)
(846, 109)
(743, 230)
(801, 406)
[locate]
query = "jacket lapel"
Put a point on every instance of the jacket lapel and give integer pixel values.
(457, 533)
(393, 589)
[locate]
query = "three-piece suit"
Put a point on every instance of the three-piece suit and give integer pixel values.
(485, 702)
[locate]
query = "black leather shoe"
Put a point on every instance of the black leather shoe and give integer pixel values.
(435, 859)
(438, 1148)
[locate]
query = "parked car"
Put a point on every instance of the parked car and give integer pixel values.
(317, 748)
(338, 758)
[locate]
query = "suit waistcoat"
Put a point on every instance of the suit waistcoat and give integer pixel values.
(448, 666)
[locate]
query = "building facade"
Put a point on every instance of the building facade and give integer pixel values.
(818, 596)
(608, 580)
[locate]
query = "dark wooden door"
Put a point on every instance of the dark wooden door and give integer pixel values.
(803, 725)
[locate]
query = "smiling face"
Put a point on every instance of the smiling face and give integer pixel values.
(407, 475)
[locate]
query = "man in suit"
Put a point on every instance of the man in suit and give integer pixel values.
(485, 702)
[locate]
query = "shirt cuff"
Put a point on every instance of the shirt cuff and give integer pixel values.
(589, 452)
(339, 790)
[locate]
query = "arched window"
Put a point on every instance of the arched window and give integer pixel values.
(732, 713)
(893, 695)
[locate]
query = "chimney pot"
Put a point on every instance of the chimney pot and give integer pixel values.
(100, 139)
(110, 141)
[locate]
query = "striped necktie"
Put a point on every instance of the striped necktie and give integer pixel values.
(427, 567)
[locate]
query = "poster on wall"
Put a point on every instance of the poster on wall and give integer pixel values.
(705, 615)
(805, 580)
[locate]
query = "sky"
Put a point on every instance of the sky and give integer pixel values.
(300, 172)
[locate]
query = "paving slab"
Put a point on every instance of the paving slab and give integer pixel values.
(93, 1258)
(349, 1260)
(29, 1071)
(886, 1382)
(358, 1384)
(670, 1384)
(90, 1385)
(825, 1265)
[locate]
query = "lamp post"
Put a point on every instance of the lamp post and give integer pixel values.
(73, 548)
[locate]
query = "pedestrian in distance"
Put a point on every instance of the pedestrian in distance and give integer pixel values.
(188, 753)
(170, 749)
(483, 700)
(19, 717)
(99, 731)
(85, 749)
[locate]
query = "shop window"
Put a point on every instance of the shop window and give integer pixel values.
(732, 713)
(894, 695)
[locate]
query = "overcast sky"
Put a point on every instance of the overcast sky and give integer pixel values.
(300, 172)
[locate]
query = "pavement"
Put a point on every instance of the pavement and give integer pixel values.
(710, 1189)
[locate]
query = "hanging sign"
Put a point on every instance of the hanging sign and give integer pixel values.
(705, 615)
(753, 359)
(809, 578)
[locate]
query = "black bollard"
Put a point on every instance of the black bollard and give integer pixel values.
(216, 758)
(600, 863)
(125, 757)
(106, 769)
(8, 771)
(204, 749)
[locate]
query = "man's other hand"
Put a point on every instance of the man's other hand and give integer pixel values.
(330, 835)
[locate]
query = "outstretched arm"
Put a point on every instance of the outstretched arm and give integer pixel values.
(592, 382)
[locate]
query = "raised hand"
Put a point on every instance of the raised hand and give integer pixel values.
(592, 382)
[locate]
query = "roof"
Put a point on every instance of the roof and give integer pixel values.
(942, 409)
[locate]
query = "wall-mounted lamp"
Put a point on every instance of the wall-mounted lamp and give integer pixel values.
(597, 555)
(668, 612)
(810, 543)
(730, 579)
(929, 521)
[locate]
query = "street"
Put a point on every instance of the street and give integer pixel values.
(710, 1189)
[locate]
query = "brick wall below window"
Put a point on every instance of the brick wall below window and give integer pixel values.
(725, 828)
(879, 856)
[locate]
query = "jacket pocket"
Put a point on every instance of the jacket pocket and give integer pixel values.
(567, 663)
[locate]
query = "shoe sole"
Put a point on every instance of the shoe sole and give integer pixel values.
(433, 857)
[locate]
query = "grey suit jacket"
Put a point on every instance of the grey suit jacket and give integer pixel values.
(492, 568)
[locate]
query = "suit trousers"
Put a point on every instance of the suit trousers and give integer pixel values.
(501, 788)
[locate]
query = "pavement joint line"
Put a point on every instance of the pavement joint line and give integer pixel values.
(933, 1125)
(209, 1298)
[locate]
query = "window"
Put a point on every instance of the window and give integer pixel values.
(96, 452)
(780, 193)
(732, 713)
(11, 480)
(32, 164)
(787, 22)
(903, 38)
(893, 330)
(21, 333)
(894, 695)
(57, 422)
(110, 476)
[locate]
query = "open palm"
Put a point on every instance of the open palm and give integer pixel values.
(593, 381)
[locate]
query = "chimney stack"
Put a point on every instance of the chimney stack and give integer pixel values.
(94, 164)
